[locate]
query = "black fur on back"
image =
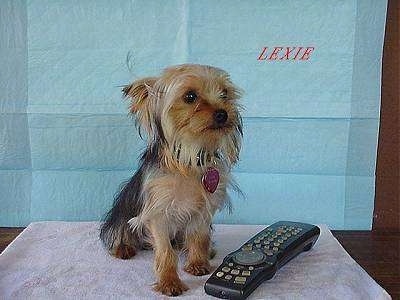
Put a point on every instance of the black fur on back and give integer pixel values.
(128, 203)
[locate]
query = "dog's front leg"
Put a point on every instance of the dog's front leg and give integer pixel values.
(198, 246)
(165, 261)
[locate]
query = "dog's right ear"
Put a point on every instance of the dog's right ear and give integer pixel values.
(139, 93)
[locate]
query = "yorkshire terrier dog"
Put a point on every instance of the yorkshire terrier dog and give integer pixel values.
(194, 131)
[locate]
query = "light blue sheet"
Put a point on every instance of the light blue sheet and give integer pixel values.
(310, 127)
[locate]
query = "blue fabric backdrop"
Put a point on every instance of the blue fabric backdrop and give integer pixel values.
(310, 127)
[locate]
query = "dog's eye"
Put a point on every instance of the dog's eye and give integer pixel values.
(224, 94)
(190, 97)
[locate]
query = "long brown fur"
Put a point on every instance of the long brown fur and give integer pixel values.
(165, 200)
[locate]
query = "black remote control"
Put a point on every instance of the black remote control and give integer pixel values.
(243, 270)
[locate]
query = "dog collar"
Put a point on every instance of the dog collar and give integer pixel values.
(202, 158)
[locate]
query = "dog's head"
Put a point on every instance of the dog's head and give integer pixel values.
(191, 109)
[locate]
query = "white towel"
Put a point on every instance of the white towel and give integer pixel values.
(65, 260)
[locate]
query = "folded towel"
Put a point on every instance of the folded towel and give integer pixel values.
(65, 260)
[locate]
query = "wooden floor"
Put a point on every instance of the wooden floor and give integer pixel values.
(377, 253)
(7, 234)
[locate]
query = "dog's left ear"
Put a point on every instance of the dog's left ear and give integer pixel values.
(140, 92)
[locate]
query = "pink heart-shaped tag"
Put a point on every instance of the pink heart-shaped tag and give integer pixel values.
(210, 180)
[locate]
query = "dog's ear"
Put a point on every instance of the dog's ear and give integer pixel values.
(139, 92)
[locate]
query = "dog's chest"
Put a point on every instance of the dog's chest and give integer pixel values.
(182, 199)
(189, 198)
(193, 193)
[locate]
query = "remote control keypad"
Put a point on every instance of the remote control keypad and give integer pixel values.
(265, 245)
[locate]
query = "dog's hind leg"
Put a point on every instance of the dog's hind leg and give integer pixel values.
(119, 240)
(116, 233)
(126, 248)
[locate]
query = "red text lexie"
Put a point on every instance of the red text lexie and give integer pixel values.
(285, 53)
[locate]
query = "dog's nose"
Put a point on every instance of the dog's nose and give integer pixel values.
(220, 116)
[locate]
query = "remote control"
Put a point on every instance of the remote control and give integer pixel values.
(243, 270)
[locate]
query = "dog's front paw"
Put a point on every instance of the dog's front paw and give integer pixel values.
(198, 269)
(170, 287)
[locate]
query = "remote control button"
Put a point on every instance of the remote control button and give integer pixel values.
(235, 272)
(268, 252)
(275, 249)
(249, 257)
(258, 246)
(247, 247)
(230, 264)
(280, 241)
(226, 269)
(220, 274)
(276, 244)
(284, 238)
(251, 268)
(240, 279)
(228, 277)
(246, 273)
(266, 242)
